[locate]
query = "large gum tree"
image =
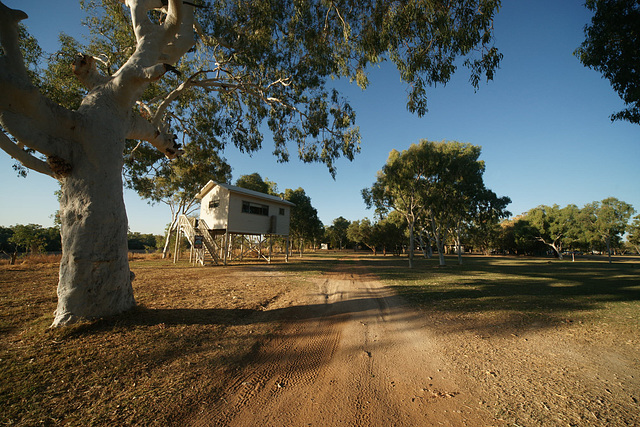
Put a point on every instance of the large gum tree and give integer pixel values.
(239, 68)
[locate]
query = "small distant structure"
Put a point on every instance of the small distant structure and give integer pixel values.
(235, 222)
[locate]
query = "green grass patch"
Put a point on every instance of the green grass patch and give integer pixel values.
(520, 291)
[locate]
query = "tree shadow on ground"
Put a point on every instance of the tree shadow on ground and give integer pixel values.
(494, 295)
(487, 295)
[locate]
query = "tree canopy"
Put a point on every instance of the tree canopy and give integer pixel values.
(304, 223)
(269, 62)
(255, 182)
(437, 185)
(555, 226)
(607, 220)
(634, 233)
(612, 47)
(337, 232)
(598, 227)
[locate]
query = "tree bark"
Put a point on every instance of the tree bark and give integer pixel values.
(173, 226)
(423, 246)
(439, 242)
(95, 279)
(411, 243)
(556, 245)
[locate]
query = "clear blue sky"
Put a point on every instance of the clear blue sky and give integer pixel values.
(543, 125)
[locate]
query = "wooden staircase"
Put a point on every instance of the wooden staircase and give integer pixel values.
(201, 239)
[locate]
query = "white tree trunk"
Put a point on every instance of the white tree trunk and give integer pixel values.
(411, 240)
(423, 246)
(95, 280)
(556, 245)
(439, 241)
(172, 228)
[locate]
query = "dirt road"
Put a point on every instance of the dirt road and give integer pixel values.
(356, 355)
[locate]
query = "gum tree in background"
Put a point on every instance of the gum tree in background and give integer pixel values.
(437, 185)
(362, 232)
(555, 227)
(337, 232)
(484, 227)
(391, 231)
(634, 233)
(400, 186)
(254, 65)
(607, 220)
(304, 223)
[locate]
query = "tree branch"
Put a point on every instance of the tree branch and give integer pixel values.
(33, 119)
(180, 37)
(32, 132)
(12, 60)
(172, 96)
(142, 26)
(174, 37)
(175, 15)
(84, 67)
(141, 128)
(24, 157)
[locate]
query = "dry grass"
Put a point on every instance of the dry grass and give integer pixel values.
(150, 366)
(33, 259)
(30, 259)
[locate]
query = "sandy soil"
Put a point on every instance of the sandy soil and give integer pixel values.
(353, 353)
(251, 345)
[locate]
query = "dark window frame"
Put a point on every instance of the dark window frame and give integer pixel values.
(255, 208)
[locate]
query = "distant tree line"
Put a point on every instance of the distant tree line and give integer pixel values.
(30, 238)
(596, 227)
(147, 242)
(34, 239)
(599, 227)
(432, 198)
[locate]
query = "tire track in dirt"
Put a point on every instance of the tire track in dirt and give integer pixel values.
(356, 355)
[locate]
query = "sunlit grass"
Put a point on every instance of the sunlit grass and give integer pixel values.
(518, 288)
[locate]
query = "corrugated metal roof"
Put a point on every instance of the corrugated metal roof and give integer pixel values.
(232, 188)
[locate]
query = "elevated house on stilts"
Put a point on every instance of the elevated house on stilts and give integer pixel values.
(235, 223)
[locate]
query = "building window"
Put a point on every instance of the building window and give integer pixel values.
(255, 208)
(214, 203)
(281, 211)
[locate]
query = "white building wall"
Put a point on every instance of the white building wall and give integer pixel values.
(215, 217)
(244, 222)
